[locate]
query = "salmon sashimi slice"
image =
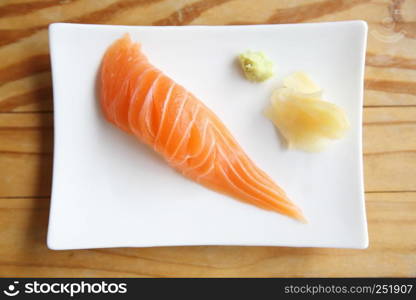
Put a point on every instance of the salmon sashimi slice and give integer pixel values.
(141, 100)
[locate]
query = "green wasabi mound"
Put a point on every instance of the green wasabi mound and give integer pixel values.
(256, 66)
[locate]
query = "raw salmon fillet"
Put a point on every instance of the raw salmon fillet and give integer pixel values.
(141, 100)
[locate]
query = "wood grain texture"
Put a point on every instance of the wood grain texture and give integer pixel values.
(25, 154)
(390, 148)
(392, 219)
(389, 151)
(23, 25)
(26, 139)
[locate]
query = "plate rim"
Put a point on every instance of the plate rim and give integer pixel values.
(54, 29)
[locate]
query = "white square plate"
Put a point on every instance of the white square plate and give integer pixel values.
(111, 191)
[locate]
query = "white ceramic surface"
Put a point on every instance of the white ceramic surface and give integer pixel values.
(111, 191)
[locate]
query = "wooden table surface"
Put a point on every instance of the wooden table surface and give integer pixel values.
(26, 129)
